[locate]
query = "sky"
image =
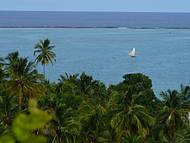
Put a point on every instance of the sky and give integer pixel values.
(97, 5)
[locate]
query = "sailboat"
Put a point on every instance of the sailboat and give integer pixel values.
(132, 53)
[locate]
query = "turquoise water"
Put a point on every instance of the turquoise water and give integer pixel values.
(163, 54)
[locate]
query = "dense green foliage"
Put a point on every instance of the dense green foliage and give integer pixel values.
(79, 109)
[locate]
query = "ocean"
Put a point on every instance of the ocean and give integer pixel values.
(94, 19)
(162, 51)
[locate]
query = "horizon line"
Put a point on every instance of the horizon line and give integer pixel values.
(106, 11)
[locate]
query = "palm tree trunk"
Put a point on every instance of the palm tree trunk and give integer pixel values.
(44, 70)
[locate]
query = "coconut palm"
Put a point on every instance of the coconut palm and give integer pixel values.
(135, 120)
(174, 112)
(22, 78)
(93, 119)
(44, 52)
(67, 84)
(130, 114)
(66, 125)
(131, 118)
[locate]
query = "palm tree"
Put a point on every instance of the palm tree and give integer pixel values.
(67, 84)
(131, 118)
(134, 120)
(175, 111)
(94, 122)
(65, 127)
(130, 114)
(44, 52)
(91, 88)
(22, 78)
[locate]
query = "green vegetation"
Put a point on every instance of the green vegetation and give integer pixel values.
(79, 109)
(44, 52)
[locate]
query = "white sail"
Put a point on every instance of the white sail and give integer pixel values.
(132, 53)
